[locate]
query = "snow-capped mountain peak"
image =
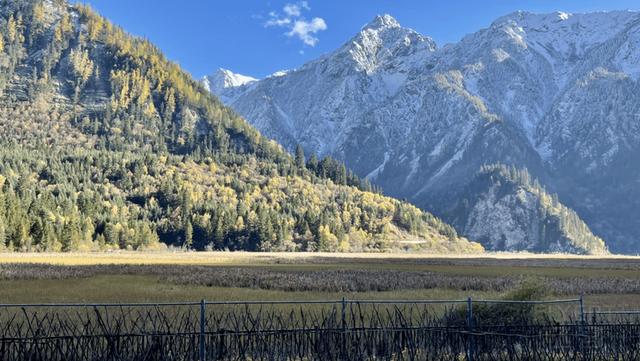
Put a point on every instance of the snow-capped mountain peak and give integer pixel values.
(224, 79)
(226, 83)
(384, 40)
(382, 21)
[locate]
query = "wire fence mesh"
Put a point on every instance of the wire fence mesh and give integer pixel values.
(318, 330)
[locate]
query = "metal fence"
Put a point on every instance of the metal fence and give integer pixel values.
(317, 330)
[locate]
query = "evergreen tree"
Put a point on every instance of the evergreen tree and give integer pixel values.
(3, 237)
(188, 235)
(300, 161)
(70, 236)
(313, 164)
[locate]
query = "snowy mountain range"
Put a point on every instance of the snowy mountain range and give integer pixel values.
(554, 94)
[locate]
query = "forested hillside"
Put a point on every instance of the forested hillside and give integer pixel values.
(106, 144)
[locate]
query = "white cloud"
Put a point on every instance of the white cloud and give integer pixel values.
(278, 22)
(304, 30)
(298, 26)
(292, 10)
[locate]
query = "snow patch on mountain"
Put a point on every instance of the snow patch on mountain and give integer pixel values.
(561, 38)
(279, 73)
(379, 169)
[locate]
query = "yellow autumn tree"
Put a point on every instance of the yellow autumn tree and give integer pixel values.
(82, 66)
(38, 18)
(63, 28)
(327, 240)
(12, 30)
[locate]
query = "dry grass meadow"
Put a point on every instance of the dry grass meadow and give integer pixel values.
(610, 282)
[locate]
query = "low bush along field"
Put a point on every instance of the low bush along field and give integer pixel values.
(612, 283)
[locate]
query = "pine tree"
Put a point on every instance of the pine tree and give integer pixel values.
(146, 236)
(312, 165)
(300, 161)
(49, 238)
(219, 233)
(70, 236)
(188, 235)
(341, 177)
(22, 239)
(37, 234)
(87, 230)
(3, 236)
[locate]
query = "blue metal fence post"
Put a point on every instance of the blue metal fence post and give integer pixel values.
(470, 339)
(344, 314)
(203, 320)
(344, 327)
(583, 333)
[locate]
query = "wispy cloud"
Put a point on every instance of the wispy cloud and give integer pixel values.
(304, 30)
(276, 21)
(292, 10)
(298, 26)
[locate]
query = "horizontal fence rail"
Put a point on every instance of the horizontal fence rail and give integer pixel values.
(344, 329)
(283, 302)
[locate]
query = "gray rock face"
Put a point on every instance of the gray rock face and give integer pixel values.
(556, 94)
(507, 210)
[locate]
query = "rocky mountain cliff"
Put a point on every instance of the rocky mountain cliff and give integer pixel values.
(555, 94)
(505, 209)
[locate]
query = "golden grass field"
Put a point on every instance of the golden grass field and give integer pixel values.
(244, 258)
(111, 287)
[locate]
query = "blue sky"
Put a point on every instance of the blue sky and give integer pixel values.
(259, 37)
